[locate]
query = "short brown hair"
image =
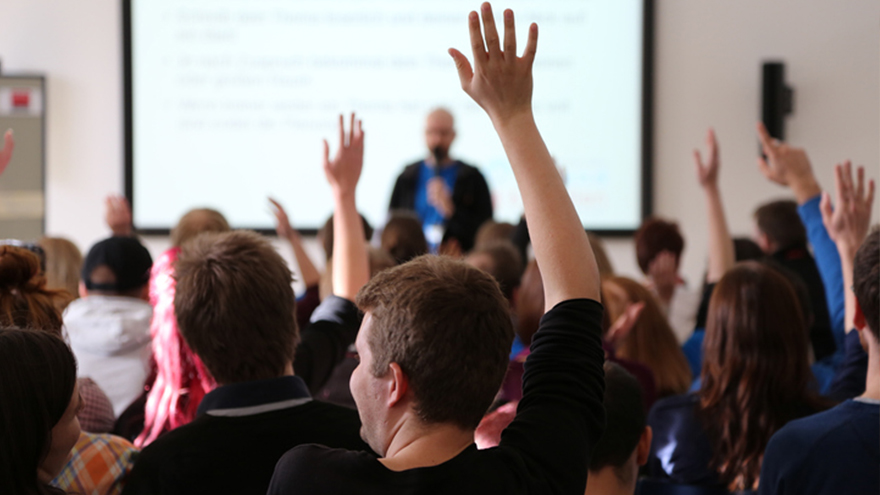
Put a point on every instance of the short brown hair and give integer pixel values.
(866, 280)
(504, 264)
(780, 222)
(195, 222)
(235, 305)
(325, 234)
(403, 237)
(492, 231)
(654, 237)
(430, 316)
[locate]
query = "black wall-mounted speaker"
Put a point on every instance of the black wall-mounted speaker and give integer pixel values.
(777, 99)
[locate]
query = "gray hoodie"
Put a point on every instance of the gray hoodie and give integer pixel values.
(110, 336)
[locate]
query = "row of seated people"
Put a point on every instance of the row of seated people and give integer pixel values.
(482, 375)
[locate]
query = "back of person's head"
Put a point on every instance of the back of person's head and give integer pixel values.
(501, 260)
(780, 223)
(403, 237)
(756, 374)
(606, 269)
(235, 306)
(325, 234)
(431, 315)
(492, 231)
(625, 427)
(651, 340)
(655, 236)
(529, 306)
(117, 266)
(195, 222)
(63, 264)
(866, 281)
(37, 381)
(24, 299)
(745, 249)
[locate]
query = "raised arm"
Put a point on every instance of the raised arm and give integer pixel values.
(790, 167)
(309, 273)
(501, 83)
(721, 253)
(6, 152)
(351, 269)
(848, 224)
(117, 215)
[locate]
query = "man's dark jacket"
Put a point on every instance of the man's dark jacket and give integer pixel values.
(470, 196)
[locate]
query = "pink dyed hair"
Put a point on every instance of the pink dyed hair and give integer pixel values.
(181, 378)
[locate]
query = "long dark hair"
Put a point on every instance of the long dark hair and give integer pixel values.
(756, 374)
(37, 380)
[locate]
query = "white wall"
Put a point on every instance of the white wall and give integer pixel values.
(707, 64)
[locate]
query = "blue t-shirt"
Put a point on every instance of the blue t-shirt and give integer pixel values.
(836, 451)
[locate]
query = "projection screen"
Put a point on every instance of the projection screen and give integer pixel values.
(227, 103)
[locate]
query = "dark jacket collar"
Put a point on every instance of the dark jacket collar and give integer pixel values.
(254, 393)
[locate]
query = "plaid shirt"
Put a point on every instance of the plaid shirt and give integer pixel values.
(96, 415)
(98, 465)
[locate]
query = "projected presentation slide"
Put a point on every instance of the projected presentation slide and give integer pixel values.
(230, 101)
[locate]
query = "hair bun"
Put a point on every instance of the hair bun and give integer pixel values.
(20, 269)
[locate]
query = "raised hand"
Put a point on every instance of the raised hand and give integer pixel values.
(118, 215)
(848, 223)
(707, 172)
(282, 222)
(624, 323)
(787, 166)
(6, 152)
(499, 81)
(344, 170)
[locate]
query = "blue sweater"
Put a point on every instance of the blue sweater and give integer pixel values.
(828, 263)
(836, 451)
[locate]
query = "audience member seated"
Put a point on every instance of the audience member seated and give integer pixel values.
(325, 236)
(63, 264)
(650, 340)
(501, 260)
(755, 373)
(418, 403)
(494, 231)
(26, 302)
(838, 451)
(403, 237)
(248, 341)
(98, 463)
(38, 422)
(109, 326)
(659, 245)
(181, 379)
(624, 447)
(782, 236)
(790, 167)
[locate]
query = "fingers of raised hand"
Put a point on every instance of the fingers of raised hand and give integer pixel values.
(491, 32)
(479, 49)
(465, 72)
(509, 36)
